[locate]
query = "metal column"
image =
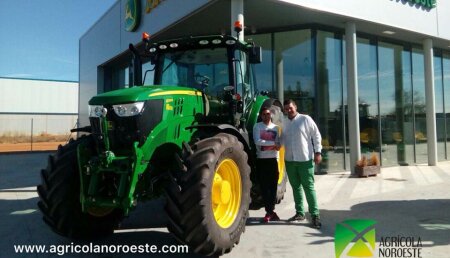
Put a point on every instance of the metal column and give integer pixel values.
(352, 93)
(430, 102)
(280, 78)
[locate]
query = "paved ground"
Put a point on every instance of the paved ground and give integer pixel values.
(409, 201)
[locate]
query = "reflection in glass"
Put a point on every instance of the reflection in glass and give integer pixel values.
(418, 96)
(368, 96)
(395, 113)
(446, 82)
(295, 68)
(329, 99)
(147, 73)
(264, 70)
(439, 107)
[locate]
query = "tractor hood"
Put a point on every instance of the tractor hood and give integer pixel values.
(141, 93)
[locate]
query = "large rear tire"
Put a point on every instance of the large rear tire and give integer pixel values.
(207, 205)
(59, 194)
(256, 196)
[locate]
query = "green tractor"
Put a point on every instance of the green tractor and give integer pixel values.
(187, 137)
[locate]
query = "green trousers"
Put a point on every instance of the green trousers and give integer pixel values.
(301, 176)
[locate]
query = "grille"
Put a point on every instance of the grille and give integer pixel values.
(124, 131)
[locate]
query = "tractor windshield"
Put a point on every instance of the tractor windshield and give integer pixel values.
(202, 69)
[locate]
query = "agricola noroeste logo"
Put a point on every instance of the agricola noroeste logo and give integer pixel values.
(355, 238)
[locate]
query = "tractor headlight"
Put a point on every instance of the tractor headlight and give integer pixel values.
(96, 111)
(131, 109)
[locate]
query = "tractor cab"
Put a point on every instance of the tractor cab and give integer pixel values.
(218, 66)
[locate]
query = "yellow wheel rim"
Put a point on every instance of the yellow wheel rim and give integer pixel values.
(281, 165)
(226, 193)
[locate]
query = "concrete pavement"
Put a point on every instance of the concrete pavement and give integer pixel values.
(411, 201)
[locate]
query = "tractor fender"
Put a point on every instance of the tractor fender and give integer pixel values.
(260, 102)
(241, 134)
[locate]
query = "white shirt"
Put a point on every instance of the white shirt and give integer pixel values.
(265, 138)
(301, 138)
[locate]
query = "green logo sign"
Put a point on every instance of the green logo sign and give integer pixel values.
(355, 238)
(132, 14)
(424, 3)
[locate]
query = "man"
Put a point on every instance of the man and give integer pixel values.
(267, 141)
(302, 142)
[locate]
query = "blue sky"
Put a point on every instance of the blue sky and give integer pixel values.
(39, 38)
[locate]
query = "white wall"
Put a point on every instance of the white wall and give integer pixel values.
(33, 97)
(37, 96)
(395, 13)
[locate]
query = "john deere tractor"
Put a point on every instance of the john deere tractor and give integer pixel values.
(187, 137)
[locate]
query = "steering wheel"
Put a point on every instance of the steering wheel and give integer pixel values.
(201, 79)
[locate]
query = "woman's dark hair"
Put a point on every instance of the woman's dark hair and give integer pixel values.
(263, 109)
(289, 101)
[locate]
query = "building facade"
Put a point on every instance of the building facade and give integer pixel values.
(36, 107)
(374, 74)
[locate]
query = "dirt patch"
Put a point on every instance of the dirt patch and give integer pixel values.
(12, 147)
(10, 142)
(43, 137)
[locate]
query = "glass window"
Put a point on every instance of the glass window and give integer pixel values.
(329, 99)
(264, 71)
(295, 68)
(446, 82)
(127, 77)
(394, 72)
(439, 107)
(147, 73)
(203, 69)
(115, 76)
(408, 115)
(418, 96)
(368, 96)
(345, 106)
(243, 76)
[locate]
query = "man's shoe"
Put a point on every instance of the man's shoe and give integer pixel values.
(316, 222)
(270, 217)
(274, 217)
(297, 217)
(266, 218)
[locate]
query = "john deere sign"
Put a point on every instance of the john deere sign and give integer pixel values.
(132, 14)
(424, 3)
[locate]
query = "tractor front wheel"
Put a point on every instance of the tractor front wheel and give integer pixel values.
(59, 194)
(207, 205)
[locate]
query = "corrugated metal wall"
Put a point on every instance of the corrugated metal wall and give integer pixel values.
(37, 107)
(36, 96)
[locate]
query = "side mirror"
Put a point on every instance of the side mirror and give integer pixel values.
(255, 55)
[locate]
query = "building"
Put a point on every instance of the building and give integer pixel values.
(374, 74)
(37, 106)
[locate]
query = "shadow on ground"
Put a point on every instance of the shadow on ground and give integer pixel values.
(22, 223)
(427, 219)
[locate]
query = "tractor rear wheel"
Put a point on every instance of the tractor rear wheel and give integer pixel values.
(256, 197)
(207, 205)
(59, 194)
